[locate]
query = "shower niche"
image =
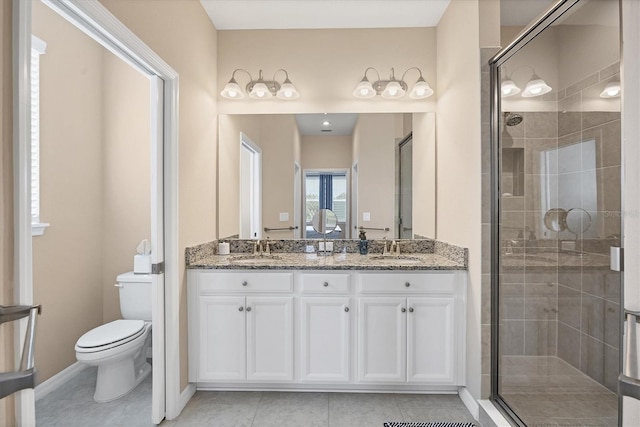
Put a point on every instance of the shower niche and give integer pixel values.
(512, 172)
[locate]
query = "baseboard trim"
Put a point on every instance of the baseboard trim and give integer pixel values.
(495, 417)
(185, 396)
(58, 379)
(469, 402)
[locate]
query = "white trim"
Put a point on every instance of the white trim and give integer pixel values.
(37, 229)
(185, 397)
(59, 379)
(23, 273)
(493, 413)
(94, 19)
(469, 402)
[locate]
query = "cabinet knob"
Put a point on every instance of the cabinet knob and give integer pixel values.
(346, 309)
(410, 309)
(240, 308)
(244, 283)
(248, 308)
(403, 309)
(407, 284)
(325, 284)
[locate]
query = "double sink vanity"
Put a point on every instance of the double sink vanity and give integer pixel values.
(291, 320)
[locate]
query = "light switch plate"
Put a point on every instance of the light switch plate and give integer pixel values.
(284, 216)
(366, 216)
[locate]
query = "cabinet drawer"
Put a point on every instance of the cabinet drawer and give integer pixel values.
(325, 283)
(245, 282)
(438, 283)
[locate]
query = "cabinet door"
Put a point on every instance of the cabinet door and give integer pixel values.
(381, 339)
(222, 339)
(325, 326)
(269, 338)
(430, 340)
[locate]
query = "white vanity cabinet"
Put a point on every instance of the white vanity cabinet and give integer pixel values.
(325, 327)
(407, 329)
(240, 331)
(334, 329)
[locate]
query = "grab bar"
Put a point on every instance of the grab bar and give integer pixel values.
(11, 382)
(266, 229)
(371, 228)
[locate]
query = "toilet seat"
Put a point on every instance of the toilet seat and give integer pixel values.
(110, 335)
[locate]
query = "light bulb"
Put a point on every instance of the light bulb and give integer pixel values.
(232, 93)
(611, 90)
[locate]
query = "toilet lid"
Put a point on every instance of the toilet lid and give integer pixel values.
(112, 332)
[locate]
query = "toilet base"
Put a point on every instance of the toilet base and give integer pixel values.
(118, 379)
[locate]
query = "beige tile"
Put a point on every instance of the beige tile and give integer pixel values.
(591, 119)
(592, 357)
(486, 349)
(485, 316)
(609, 71)
(540, 337)
(512, 337)
(541, 301)
(512, 302)
(569, 306)
(540, 125)
(568, 344)
(584, 83)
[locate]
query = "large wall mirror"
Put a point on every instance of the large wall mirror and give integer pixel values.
(374, 170)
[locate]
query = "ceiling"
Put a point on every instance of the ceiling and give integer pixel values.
(518, 13)
(340, 124)
(296, 14)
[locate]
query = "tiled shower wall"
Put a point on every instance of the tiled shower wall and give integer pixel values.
(569, 312)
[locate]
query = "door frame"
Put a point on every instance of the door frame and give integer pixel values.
(97, 22)
(255, 187)
(303, 199)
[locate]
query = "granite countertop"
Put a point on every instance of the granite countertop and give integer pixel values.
(338, 261)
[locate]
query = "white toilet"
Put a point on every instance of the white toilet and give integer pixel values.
(119, 348)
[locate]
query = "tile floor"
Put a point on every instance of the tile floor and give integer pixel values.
(72, 405)
(547, 391)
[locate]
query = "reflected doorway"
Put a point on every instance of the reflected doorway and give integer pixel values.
(250, 188)
(405, 190)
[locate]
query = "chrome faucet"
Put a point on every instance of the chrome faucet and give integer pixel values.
(267, 249)
(385, 249)
(257, 247)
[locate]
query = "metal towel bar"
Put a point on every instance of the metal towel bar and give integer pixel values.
(371, 228)
(11, 382)
(267, 229)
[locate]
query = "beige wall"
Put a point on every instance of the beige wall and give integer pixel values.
(459, 156)
(67, 261)
(95, 185)
(183, 35)
(424, 175)
(126, 182)
(278, 134)
(326, 65)
(374, 145)
(326, 152)
(6, 203)
(279, 139)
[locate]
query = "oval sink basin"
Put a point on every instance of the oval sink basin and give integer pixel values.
(257, 259)
(395, 259)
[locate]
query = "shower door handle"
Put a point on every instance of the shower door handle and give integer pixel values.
(628, 382)
(616, 258)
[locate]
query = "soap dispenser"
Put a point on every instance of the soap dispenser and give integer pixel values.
(363, 244)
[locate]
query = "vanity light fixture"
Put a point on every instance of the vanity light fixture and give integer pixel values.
(392, 88)
(535, 86)
(261, 88)
(611, 90)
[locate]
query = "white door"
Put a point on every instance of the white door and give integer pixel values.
(250, 189)
(325, 339)
(269, 338)
(297, 200)
(158, 399)
(382, 339)
(222, 339)
(430, 343)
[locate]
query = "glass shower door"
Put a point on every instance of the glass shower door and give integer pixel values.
(559, 212)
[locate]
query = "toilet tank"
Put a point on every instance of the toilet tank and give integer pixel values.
(135, 296)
